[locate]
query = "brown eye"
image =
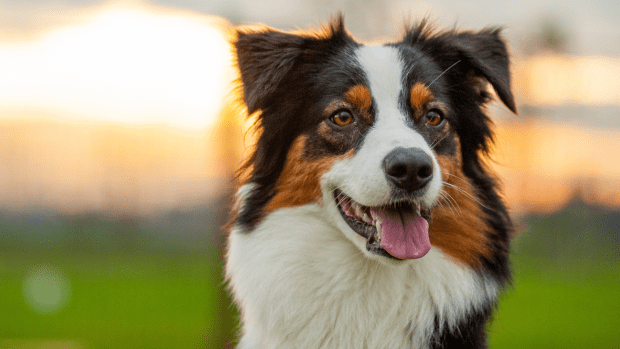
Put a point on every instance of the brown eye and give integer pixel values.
(342, 118)
(434, 117)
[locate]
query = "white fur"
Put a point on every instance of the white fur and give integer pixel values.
(300, 283)
(304, 279)
(362, 177)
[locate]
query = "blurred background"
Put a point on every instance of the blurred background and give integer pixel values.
(117, 153)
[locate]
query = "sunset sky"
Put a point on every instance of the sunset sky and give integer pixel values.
(119, 107)
(127, 64)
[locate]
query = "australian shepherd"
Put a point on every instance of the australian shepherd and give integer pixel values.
(369, 217)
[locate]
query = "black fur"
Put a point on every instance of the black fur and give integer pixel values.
(470, 333)
(288, 78)
(485, 54)
(284, 77)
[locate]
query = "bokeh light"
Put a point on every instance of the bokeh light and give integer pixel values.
(127, 65)
(118, 147)
(46, 290)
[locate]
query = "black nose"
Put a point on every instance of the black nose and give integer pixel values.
(408, 168)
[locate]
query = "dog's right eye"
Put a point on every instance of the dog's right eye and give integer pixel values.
(342, 118)
(434, 117)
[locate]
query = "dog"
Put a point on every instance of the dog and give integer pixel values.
(368, 216)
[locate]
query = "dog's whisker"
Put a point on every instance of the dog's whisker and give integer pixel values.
(448, 206)
(440, 204)
(455, 203)
(435, 143)
(440, 200)
(465, 193)
(454, 207)
(455, 176)
(445, 71)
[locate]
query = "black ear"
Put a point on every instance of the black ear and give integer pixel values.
(264, 58)
(486, 53)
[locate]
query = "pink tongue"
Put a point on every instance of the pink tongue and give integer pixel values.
(404, 234)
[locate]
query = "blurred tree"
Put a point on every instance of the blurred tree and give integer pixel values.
(549, 35)
(581, 239)
(553, 35)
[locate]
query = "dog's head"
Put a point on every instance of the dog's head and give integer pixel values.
(376, 135)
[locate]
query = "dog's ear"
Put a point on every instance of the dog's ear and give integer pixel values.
(478, 55)
(264, 58)
(486, 53)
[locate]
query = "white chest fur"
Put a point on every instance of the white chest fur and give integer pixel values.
(300, 283)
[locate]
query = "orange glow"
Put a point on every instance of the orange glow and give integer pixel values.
(132, 65)
(126, 110)
(543, 165)
(551, 80)
(83, 166)
(116, 110)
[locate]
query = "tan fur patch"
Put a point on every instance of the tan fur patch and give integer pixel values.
(419, 96)
(327, 133)
(457, 226)
(359, 95)
(300, 181)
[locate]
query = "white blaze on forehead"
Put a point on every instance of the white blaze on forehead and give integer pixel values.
(362, 177)
(383, 69)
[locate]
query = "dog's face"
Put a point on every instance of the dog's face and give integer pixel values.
(376, 135)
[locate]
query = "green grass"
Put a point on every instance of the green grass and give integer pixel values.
(566, 289)
(120, 301)
(175, 301)
(135, 285)
(550, 308)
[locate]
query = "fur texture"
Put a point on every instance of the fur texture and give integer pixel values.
(341, 128)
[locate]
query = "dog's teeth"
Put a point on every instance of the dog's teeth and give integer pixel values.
(379, 231)
(418, 209)
(366, 219)
(358, 210)
(347, 209)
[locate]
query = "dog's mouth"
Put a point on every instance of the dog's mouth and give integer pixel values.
(397, 230)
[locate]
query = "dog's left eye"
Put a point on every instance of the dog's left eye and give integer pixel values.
(434, 117)
(342, 118)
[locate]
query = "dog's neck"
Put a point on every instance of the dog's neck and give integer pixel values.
(302, 283)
